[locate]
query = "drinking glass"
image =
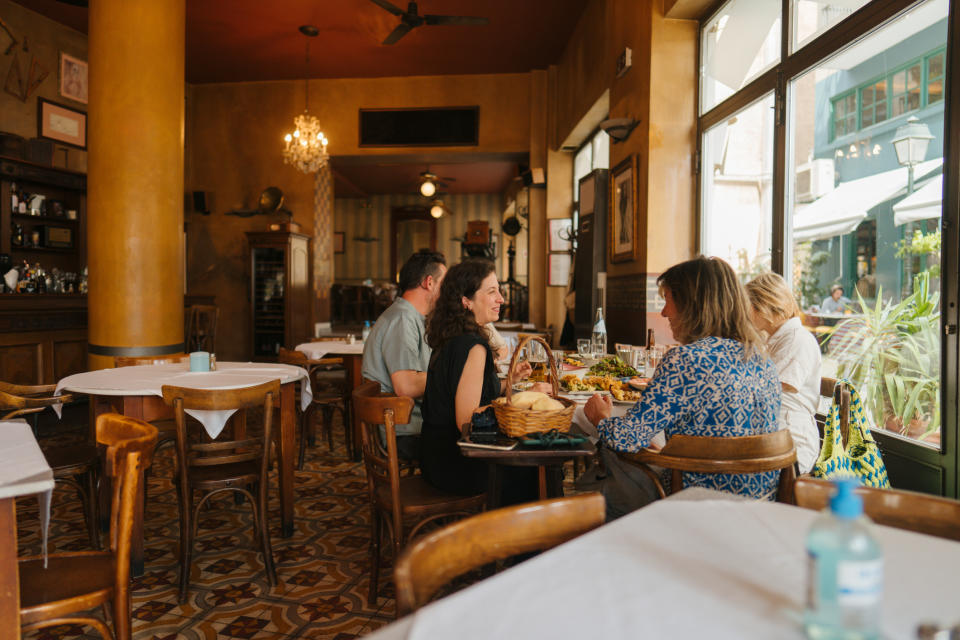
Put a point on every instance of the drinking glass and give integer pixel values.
(599, 346)
(638, 359)
(584, 346)
(624, 352)
(653, 361)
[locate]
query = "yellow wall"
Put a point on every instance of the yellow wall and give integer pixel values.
(45, 39)
(659, 91)
(233, 150)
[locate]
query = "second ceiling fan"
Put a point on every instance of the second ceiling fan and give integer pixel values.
(411, 19)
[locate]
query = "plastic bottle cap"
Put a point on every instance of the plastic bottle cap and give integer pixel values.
(845, 503)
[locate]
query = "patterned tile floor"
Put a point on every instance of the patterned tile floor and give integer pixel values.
(322, 569)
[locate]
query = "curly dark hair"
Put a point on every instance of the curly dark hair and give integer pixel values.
(449, 317)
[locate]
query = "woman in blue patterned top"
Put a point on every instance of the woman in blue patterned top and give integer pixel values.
(717, 382)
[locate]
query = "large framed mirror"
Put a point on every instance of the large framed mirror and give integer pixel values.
(411, 228)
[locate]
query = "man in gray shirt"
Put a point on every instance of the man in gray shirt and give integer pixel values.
(396, 353)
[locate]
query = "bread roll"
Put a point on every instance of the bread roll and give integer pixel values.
(525, 399)
(547, 404)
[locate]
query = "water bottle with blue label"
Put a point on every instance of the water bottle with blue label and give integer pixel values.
(845, 572)
(366, 330)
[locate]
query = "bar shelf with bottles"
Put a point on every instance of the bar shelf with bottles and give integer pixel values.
(42, 217)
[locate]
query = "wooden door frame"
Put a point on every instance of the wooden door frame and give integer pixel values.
(402, 214)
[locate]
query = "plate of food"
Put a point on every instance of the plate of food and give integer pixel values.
(614, 367)
(624, 396)
(639, 383)
(589, 385)
(572, 363)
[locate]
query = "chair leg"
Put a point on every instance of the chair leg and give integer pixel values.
(91, 510)
(121, 612)
(186, 542)
(375, 535)
(306, 432)
(265, 533)
(347, 416)
(328, 424)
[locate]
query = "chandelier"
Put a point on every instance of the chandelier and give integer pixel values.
(306, 147)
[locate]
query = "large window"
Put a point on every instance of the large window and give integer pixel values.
(830, 171)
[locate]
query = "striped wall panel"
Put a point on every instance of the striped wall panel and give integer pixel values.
(370, 218)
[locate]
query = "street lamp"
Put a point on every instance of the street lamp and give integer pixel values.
(911, 142)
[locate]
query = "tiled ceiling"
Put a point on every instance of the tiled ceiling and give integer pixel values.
(250, 40)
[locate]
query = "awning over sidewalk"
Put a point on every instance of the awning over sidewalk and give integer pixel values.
(923, 204)
(841, 210)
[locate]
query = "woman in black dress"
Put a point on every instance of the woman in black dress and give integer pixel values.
(461, 378)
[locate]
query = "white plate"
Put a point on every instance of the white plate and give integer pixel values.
(625, 402)
(583, 393)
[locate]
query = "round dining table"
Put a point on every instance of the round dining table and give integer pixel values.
(136, 392)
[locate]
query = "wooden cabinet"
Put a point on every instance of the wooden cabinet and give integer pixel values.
(279, 291)
(51, 227)
(42, 337)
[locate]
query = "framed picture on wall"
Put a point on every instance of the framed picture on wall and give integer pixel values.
(623, 211)
(560, 234)
(338, 242)
(61, 123)
(559, 270)
(73, 78)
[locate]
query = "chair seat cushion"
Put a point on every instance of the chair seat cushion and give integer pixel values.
(71, 582)
(420, 498)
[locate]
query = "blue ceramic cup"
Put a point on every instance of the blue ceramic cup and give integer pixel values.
(200, 361)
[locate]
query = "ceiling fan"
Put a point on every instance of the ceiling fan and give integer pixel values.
(429, 183)
(410, 19)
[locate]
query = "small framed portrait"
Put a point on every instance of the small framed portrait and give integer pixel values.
(561, 231)
(338, 242)
(73, 78)
(558, 274)
(623, 211)
(60, 123)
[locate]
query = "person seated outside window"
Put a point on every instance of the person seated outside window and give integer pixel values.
(396, 353)
(717, 382)
(836, 302)
(796, 355)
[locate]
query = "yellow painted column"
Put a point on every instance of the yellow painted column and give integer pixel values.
(322, 243)
(135, 178)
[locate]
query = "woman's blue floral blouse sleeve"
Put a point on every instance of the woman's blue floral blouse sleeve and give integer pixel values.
(659, 408)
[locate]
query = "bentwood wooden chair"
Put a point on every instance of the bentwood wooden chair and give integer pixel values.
(166, 427)
(202, 328)
(829, 389)
(75, 465)
(440, 556)
(406, 505)
(73, 582)
(704, 454)
(328, 397)
(908, 510)
(223, 464)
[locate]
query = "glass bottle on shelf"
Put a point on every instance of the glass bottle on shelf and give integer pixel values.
(14, 198)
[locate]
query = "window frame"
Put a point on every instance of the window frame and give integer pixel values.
(792, 65)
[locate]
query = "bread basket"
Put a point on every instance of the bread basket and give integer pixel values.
(517, 423)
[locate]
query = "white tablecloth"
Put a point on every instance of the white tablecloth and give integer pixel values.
(682, 569)
(24, 470)
(317, 350)
(148, 380)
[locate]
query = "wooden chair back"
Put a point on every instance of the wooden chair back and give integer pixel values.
(371, 409)
(222, 451)
(439, 557)
(908, 510)
(129, 448)
(740, 454)
(202, 328)
(13, 406)
(829, 389)
(290, 356)
(27, 390)
(135, 361)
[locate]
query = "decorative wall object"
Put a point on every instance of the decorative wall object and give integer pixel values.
(22, 83)
(61, 123)
(560, 233)
(558, 270)
(73, 78)
(623, 211)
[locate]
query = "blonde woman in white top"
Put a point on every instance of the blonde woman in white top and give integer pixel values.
(796, 354)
